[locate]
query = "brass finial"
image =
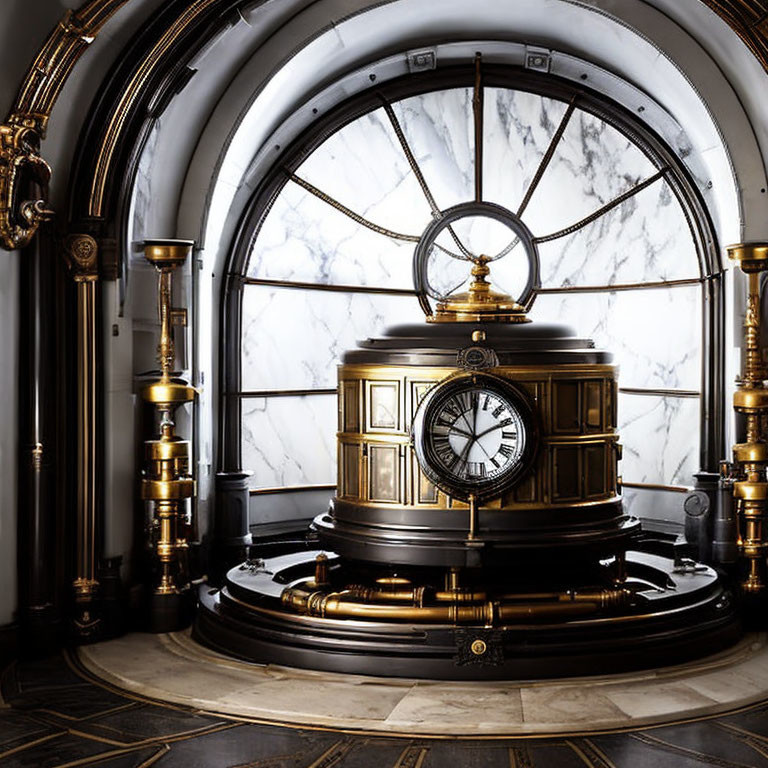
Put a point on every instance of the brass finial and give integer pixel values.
(480, 303)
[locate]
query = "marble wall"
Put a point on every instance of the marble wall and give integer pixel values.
(290, 440)
(654, 334)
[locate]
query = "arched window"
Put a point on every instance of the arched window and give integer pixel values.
(324, 258)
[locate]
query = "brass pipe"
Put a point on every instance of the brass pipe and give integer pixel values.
(605, 598)
(85, 584)
(344, 605)
(81, 255)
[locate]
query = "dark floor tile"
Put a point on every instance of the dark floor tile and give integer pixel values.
(54, 752)
(637, 750)
(71, 703)
(135, 759)
(476, 754)
(710, 739)
(754, 720)
(545, 754)
(43, 674)
(246, 745)
(17, 727)
(379, 753)
(146, 721)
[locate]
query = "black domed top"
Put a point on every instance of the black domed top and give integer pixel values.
(514, 343)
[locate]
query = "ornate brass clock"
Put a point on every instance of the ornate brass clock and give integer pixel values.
(478, 529)
(474, 435)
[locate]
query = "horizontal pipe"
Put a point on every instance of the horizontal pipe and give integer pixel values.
(344, 605)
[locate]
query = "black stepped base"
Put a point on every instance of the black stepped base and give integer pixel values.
(691, 617)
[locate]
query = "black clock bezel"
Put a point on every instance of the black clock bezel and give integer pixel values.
(432, 404)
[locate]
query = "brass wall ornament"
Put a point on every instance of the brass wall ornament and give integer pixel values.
(20, 164)
(750, 458)
(167, 484)
(26, 123)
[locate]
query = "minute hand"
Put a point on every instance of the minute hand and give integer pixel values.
(490, 429)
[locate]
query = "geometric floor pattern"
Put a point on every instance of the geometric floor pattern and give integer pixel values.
(53, 714)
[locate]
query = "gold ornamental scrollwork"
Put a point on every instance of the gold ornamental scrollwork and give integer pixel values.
(26, 123)
(19, 160)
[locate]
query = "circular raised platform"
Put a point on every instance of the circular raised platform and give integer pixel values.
(271, 611)
(173, 668)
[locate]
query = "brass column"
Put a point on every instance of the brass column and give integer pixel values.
(750, 488)
(82, 255)
(167, 484)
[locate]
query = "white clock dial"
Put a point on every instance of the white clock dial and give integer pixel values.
(472, 436)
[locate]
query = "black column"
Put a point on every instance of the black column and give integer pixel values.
(39, 612)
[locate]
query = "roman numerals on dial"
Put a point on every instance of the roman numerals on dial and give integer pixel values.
(477, 436)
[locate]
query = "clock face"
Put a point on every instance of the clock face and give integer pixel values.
(473, 435)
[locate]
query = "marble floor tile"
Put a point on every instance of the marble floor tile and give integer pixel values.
(728, 686)
(446, 706)
(560, 707)
(297, 701)
(666, 698)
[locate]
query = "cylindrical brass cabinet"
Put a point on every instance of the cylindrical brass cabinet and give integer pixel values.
(565, 494)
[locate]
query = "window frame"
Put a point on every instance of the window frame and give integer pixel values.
(711, 273)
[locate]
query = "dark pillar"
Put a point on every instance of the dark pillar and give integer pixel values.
(231, 524)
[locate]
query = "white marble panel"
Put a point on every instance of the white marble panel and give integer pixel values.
(364, 167)
(293, 339)
(289, 440)
(306, 240)
(594, 163)
(439, 128)
(660, 436)
(518, 128)
(654, 335)
(644, 239)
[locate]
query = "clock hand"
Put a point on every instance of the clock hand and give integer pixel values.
(462, 432)
(490, 429)
(466, 421)
(462, 458)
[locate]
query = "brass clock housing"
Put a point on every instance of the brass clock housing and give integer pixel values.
(475, 435)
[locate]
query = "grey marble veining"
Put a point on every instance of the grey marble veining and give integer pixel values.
(645, 239)
(294, 339)
(660, 436)
(593, 164)
(306, 240)
(518, 128)
(654, 335)
(289, 440)
(439, 129)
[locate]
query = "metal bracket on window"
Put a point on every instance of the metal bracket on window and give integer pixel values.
(537, 59)
(422, 60)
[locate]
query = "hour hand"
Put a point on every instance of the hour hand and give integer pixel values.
(463, 432)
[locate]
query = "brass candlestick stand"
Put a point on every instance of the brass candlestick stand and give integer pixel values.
(750, 458)
(167, 483)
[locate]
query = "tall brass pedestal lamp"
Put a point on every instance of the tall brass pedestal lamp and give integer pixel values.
(750, 458)
(167, 486)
